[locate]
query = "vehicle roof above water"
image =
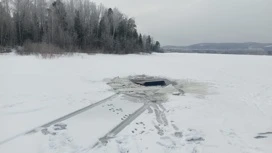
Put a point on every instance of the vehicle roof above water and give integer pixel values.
(142, 80)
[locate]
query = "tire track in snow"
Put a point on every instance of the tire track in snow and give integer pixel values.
(121, 126)
(68, 116)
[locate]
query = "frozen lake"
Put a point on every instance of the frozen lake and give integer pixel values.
(233, 113)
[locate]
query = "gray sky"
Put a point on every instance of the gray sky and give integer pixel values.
(183, 22)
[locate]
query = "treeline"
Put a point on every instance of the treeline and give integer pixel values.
(71, 25)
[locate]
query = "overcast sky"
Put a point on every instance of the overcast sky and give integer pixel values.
(183, 22)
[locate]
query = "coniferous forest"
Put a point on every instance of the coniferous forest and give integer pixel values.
(70, 26)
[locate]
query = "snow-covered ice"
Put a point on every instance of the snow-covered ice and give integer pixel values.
(226, 107)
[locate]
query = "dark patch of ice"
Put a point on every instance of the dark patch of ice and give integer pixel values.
(195, 139)
(260, 137)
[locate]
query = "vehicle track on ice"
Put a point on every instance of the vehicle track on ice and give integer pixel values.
(120, 127)
(63, 118)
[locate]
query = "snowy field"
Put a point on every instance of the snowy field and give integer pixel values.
(227, 106)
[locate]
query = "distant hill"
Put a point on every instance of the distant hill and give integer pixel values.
(224, 48)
